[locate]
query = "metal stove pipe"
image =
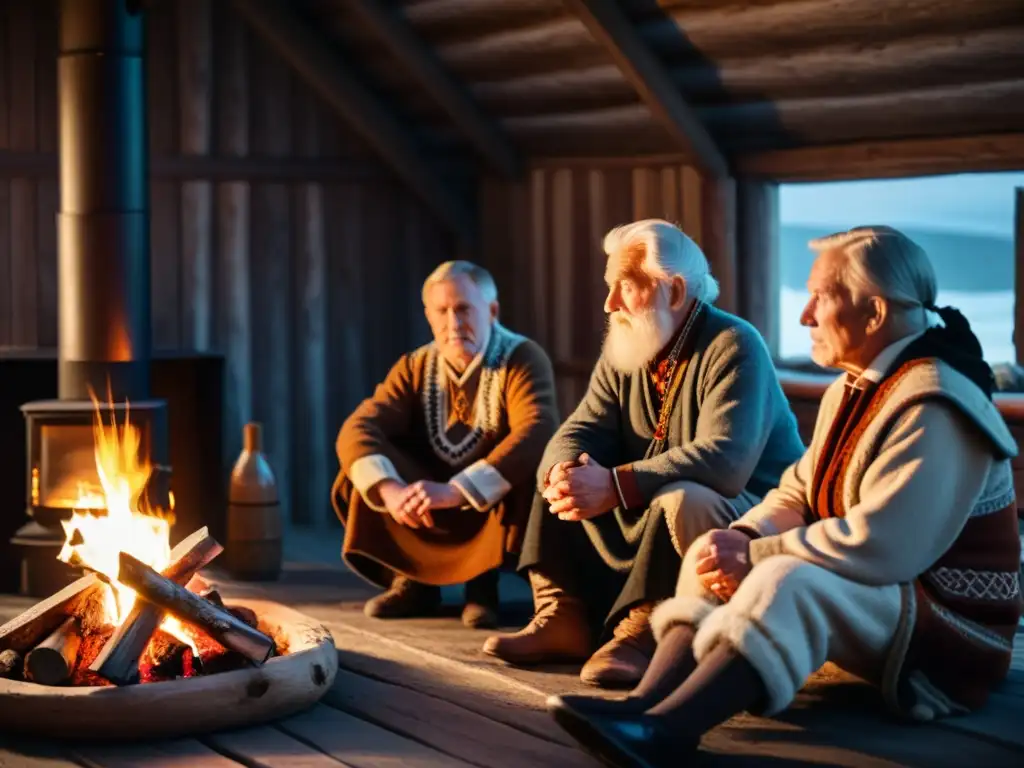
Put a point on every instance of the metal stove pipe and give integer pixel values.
(103, 224)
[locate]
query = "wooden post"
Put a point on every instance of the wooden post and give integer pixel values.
(719, 236)
(233, 232)
(311, 482)
(195, 97)
(53, 660)
(1018, 264)
(757, 246)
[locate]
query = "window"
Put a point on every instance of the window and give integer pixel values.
(965, 223)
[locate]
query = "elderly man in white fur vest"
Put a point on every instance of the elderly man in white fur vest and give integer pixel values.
(890, 548)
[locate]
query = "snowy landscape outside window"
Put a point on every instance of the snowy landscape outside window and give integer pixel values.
(964, 222)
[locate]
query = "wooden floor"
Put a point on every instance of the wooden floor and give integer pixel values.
(419, 694)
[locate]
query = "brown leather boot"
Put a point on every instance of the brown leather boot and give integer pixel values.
(405, 599)
(557, 632)
(622, 661)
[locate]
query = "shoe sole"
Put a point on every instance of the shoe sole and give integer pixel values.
(596, 743)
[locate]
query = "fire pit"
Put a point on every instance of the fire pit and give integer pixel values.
(142, 628)
(285, 684)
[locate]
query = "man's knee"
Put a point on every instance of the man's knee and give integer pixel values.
(692, 509)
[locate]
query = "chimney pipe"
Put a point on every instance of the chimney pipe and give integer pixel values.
(103, 224)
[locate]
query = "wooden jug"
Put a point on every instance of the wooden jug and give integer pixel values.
(255, 545)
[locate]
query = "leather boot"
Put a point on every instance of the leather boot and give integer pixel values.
(622, 661)
(405, 599)
(481, 608)
(557, 632)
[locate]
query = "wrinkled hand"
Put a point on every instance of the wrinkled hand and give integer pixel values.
(581, 491)
(724, 562)
(421, 497)
(558, 473)
(410, 505)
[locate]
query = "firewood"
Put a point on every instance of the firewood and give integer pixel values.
(119, 660)
(190, 608)
(248, 615)
(167, 658)
(10, 664)
(214, 597)
(92, 644)
(53, 660)
(26, 630)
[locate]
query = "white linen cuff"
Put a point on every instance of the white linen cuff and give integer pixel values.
(366, 473)
(482, 485)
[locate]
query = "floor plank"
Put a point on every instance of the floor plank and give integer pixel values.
(485, 691)
(178, 753)
(24, 753)
(268, 747)
(359, 744)
(450, 728)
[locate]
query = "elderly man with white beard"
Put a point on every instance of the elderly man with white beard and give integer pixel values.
(683, 428)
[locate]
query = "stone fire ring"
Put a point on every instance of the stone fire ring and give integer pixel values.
(283, 686)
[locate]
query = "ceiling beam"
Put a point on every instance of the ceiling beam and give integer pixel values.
(887, 159)
(607, 23)
(401, 40)
(316, 63)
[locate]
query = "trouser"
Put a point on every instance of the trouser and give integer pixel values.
(788, 618)
(565, 553)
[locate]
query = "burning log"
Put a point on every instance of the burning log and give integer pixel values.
(10, 664)
(119, 660)
(26, 630)
(53, 660)
(223, 626)
(167, 658)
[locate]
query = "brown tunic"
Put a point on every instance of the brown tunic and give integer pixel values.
(484, 430)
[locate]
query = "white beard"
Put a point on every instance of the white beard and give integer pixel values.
(633, 341)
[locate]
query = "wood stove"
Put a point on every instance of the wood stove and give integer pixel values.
(103, 273)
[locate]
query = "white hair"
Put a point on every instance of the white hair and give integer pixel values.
(882, 261)
(668, 253)
(449, 269)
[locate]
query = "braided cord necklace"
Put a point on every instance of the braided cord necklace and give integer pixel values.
(674, 376)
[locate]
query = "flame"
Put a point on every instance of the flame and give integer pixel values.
(128, 525)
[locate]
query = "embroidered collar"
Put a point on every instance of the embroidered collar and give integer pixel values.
(492, 365)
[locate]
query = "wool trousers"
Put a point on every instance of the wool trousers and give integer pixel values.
(788, 618)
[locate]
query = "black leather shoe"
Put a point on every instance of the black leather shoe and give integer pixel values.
(622, 741)
(596, 705)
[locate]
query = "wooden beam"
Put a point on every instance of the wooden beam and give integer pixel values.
(314, 60)
(422, 64)
(766, 30)
(849, 68)
(757, 256)
(887, 159)
(612, 28)
(228, 168)
(1018, 260)
(954, 110)
(950, 110)
(718, 237)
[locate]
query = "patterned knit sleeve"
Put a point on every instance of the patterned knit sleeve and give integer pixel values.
(532, 419)
(364, 444)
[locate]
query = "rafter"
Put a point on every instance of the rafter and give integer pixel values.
(314, 60)
(612, 29)
(419, 60)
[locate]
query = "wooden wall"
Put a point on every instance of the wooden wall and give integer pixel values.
(543, 241)
(277, 239)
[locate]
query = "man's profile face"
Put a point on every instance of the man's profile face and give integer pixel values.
(838, 326)
(459, 317)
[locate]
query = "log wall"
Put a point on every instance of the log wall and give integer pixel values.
(277, 239)
(542, 240)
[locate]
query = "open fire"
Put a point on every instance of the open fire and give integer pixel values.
(142, 614)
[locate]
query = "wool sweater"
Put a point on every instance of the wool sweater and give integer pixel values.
(730, 427)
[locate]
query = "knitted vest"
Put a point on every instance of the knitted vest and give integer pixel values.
(955, 640)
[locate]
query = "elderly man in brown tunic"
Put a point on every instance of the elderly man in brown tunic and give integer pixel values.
(437, 466)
